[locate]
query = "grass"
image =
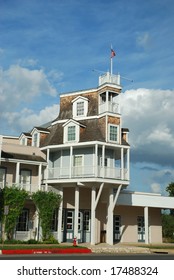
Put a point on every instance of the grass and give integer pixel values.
(34, 246)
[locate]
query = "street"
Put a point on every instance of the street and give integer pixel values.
(158, 256)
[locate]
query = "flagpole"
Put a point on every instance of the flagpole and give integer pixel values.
(111, 60)
(111, 66)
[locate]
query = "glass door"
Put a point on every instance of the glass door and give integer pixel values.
(141, 229)
(117, 228)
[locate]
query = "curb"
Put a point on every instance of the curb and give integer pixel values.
(46, 251)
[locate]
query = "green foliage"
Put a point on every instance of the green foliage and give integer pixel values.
(1, 204)
(15, 199)
(170, 189)
(46, 203)
(168, 226)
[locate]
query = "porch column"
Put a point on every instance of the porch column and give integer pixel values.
(128, 164)
(39, 175)
(60, 210)
(47, 169)
(17, 173)
(146, 224)
(109, 236)
(111, 205)
(122, 164)
(103, 160)
(96, 161)
(71, 162)
(76, 214)
(93, 195)
(107, 101)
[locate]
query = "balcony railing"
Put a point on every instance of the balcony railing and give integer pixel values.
(87, 172)
(30, 188)
(111, 107)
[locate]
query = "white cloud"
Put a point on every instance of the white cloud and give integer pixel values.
(27, 119)
(149, 115)
(155, 188)
(19, 84)
(143, 40)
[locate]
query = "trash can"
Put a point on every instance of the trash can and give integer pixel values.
(103, 236)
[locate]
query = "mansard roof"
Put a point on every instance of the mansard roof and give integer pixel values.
(67, 100)
(91, 130)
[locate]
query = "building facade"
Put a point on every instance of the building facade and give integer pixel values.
(84, 155)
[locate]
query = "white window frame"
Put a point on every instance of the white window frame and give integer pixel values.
(80, 108)
(109, 134)
(71, 133)
(26, 183)
(35, 142)
(78, 169)
(77, 101)
(77, 131)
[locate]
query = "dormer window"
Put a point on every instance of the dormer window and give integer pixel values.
(71, 133)
(35, 139)
(80, 107)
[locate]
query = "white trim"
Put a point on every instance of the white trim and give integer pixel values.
(23, 161)
(38, 130)
(145, 200)
(38, 139)
(79, 92)
(77, 132)
(80, 118)
(80, 97)
(88, 143)
(118, 133)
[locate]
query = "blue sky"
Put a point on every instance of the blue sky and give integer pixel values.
(51, 47)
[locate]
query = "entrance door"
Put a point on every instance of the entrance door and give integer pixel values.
(141, 229)
(69, 225)
(117, 228)
(83, 226)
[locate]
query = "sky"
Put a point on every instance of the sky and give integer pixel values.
(52, 47)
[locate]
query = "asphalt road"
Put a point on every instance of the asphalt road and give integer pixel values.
(155, 256)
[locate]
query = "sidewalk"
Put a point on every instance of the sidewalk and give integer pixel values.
(87, 248)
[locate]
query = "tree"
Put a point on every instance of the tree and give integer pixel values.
(46, 203)
(14, 198)
(170, 190)
(168, 226)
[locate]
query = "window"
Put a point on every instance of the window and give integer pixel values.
(113, 133)
(2, 177)
(86, 220)
(71, 133)
(35, 139)
(23, 221)
(54, 220)
(78, 165)
(80, 108)
(25, 179)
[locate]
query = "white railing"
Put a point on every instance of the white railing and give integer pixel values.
(109, 78)
(31, 188)
(87, 172)
(111, 107)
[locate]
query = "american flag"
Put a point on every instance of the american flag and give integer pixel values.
(113, 53)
